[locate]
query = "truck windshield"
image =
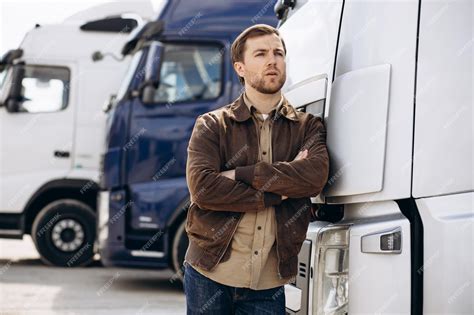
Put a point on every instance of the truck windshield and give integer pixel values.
(190, 72)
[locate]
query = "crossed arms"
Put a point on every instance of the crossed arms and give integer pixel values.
(253, 187)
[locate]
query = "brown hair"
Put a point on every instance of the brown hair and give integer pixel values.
(238, 46)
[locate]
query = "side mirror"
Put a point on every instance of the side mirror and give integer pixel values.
(14, 95)
(148, 93)
(9, 57)
(151, 82)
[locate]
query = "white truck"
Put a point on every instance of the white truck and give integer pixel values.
(52, 127)
(393, 81)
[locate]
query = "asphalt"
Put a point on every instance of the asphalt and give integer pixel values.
(27, 286)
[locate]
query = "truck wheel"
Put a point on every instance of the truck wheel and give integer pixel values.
(178, 250)
(64, 233)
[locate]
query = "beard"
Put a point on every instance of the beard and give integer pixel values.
(259, 84)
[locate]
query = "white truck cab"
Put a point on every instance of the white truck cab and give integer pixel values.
(52, 91)
(393, 81)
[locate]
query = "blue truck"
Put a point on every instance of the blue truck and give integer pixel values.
(181, 67)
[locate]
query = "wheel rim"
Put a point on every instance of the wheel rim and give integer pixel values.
(67, 235)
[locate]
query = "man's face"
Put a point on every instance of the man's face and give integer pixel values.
(264, 66)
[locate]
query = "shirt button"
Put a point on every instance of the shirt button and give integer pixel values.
(256, 252)
(259, 227)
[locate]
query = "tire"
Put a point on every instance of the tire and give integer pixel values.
(178, 250)
(64, 233)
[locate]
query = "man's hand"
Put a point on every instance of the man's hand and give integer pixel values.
(229, 174)
(301, 155)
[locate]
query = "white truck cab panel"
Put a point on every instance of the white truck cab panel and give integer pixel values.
(448, 223)
(443, 158)
(373, 37)
(443, 154)
(398, 114)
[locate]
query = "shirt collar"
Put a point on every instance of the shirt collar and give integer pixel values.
(241, 111)
(253, 109)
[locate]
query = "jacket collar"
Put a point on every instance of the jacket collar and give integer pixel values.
(239, 111)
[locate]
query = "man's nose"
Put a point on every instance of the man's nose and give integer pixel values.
(271, 59)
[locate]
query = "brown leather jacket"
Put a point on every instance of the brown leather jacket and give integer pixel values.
(226, 138)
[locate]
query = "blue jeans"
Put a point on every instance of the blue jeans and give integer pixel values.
(205, 296)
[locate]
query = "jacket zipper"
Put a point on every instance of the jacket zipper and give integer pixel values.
(258, 136)
(230, 239)
(276, 241)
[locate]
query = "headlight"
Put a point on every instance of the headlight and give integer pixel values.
(332, 291)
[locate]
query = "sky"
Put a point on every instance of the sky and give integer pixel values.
(19, 16)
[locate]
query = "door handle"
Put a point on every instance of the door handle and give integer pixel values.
(61, 154)
(383, 242)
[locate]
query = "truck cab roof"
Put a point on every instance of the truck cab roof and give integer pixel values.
(80, 35)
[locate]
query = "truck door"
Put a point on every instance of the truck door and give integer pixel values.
(36, 141)
(443, 170)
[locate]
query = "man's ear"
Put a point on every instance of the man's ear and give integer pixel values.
(239, 67)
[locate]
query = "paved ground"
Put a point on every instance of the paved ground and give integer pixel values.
(27, 286)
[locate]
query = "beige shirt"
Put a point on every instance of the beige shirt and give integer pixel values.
(253, 261)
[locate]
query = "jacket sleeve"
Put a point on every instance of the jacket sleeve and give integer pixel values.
(210, 190)
(295, 179)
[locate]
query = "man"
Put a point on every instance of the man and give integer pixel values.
(252, 166)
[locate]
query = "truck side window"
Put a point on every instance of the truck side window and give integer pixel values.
(190, 73)
(44, 89)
